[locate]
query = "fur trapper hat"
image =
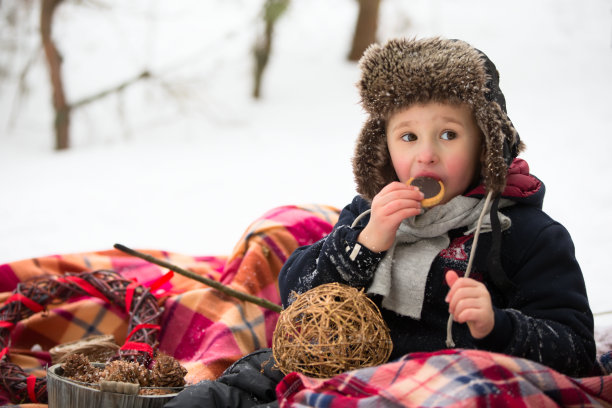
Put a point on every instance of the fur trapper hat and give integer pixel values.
(404, 72)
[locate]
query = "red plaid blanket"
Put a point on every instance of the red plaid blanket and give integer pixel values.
(201, 327)
(207, 330)
(448, 378)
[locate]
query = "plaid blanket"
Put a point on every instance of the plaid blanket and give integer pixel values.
(201, 327)
(207, 331)
(448, 378)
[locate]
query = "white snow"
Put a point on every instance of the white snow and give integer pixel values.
(186, 161)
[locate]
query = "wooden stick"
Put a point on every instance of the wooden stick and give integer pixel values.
(202, 279)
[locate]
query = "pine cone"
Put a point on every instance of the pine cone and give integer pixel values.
(90, 377)
(77, 367)
(126, 371)
(168, 372)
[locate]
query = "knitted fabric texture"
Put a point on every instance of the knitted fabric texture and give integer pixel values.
(401, 276)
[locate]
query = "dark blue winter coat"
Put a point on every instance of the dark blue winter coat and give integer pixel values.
(545, 317)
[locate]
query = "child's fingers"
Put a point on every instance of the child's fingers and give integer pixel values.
(466, 304)
(469, 302)
(456, 283)
(396, 185)
(466, 315)
(465, 297)
(480, 321)
(396, 191)
(400, 205)
(397, 202)
(451, 278)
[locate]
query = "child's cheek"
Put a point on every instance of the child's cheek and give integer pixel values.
(459, 170)
(402, 168)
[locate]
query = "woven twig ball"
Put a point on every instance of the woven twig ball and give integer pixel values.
(328, 330)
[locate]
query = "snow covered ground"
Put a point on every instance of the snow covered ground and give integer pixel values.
(185, 161)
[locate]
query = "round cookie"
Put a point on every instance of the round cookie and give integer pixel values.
(430, 187)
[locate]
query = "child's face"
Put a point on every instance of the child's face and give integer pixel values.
(437, 140)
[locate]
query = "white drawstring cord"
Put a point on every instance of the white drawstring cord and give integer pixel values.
(449, 326)
(360, 216)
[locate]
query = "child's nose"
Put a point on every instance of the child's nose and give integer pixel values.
(427, 154)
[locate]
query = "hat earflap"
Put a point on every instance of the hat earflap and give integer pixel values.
(499, 136)
(372, 165)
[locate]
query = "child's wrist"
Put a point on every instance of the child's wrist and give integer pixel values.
(372, 241)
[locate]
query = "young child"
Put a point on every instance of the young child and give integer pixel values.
(435, 109)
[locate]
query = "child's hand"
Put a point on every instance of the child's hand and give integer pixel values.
(470, 302)
(395, 202)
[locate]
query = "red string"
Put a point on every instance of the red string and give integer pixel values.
(32, 388)
(4, 352)
(157, 283)
(86, 286)
(129, 295)
(142, 326)
(6, 324)
(132, 345)
(153, 286)
(29, 303)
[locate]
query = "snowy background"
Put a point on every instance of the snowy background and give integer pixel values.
(185, 161)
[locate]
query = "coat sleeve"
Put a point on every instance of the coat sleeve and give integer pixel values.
(248, 383)
(548, 318)
(336, 258)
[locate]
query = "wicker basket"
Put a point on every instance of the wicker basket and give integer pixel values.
(66, 393)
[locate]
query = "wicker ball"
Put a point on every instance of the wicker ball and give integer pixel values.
(328, 330)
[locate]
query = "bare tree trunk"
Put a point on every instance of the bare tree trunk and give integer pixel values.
(272, 11)
(262, 51)
(365, 29)
(54, 62)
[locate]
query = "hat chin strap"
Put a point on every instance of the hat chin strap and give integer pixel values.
(449, 326)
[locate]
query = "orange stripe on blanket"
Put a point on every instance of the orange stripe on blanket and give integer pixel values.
(58, 265)
(71, 322)
(32, 362)
(204, 329)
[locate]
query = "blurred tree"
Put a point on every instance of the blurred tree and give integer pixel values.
(17, 13)
(10, 14)
(272, 10)
(54, 64)
(13, 34)
(365, 29)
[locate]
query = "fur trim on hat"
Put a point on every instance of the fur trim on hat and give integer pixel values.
(405, 72)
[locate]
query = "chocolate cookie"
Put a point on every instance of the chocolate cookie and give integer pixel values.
(432, 189)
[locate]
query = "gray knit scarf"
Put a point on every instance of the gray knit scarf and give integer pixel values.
(402, 274)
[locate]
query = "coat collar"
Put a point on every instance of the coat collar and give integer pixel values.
(521, 186)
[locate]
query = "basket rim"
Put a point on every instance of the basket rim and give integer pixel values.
(51, 372)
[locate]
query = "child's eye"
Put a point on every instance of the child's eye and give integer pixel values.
(409, 137)
(448, 135)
